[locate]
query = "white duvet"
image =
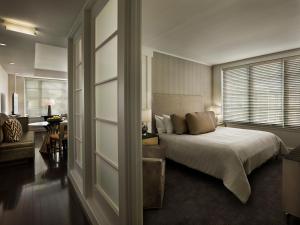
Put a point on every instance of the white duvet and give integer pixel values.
(229, 154)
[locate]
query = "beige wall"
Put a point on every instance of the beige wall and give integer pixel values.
(290, 137)
(19, 88)
(172, 75)
(3, 90)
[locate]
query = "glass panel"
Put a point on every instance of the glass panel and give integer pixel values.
(78, 154)
(79, 103)
(79, 77)
(78, 124)
(144, 82)
(108, 179)
(106, 98)
(107, 61)
(107, 140)
(106, 22)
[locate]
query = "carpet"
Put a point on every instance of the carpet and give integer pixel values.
(194, 198)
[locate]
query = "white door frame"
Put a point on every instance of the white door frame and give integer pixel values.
(131, 194)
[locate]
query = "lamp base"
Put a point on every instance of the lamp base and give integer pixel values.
(144, 129)
(49, 110)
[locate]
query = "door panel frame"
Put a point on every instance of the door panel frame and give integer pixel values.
(131, 191)
(129, 116)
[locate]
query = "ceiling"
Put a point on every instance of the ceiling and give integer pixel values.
(53, 20)
(215, 32)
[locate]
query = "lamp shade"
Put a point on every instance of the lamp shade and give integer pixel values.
(146, 115)
(215, 108)
(47, 102)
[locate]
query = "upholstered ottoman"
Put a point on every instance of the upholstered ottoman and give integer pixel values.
(153, 175)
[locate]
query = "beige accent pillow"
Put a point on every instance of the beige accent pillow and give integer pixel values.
(179, 124)
(213, 117)
(199, 123)
(12, 130)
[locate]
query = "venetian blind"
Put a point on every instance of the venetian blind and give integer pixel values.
(292, 92)
(266, 93)
(39, 93)
(236, 94)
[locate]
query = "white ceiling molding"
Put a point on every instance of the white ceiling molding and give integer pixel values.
(147, 51)
(181, 57)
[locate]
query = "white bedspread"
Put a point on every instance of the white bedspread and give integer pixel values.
(229, 154)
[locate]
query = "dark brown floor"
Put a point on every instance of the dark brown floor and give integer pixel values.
(38, 193)
(193, 198)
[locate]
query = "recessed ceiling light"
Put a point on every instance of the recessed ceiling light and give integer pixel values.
(2, 44)
(12, 63)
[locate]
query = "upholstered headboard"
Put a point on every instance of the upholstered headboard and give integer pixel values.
(179, 104)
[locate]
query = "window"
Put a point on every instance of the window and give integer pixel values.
(39, 93)
(264, 93)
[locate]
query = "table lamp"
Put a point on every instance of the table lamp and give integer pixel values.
(218, 112)
(146, 118)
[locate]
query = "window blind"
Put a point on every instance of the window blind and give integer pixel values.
(41, 92)
(292, 92)
(236, 95)
(265, 93)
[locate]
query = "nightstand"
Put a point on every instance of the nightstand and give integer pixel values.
(154, 151)
(291, 183)
(150, 139)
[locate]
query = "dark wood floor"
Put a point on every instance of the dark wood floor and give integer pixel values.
(38, 193)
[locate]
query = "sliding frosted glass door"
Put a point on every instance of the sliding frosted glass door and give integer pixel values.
(78, 109)
(106, 180)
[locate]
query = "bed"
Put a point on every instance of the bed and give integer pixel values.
(229, 154)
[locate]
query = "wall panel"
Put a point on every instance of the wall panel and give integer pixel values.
(171, 75)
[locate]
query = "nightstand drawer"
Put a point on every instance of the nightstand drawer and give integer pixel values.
(150, 141)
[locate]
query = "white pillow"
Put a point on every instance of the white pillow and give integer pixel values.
(160, 124)
(168, 124)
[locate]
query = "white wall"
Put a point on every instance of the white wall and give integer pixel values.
(3, 90)
(290, 137)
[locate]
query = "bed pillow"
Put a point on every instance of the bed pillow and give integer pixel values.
(168, 124)
(199, 123)
(159, 122)
(12, 130)
(179, 124)
(212, 116)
